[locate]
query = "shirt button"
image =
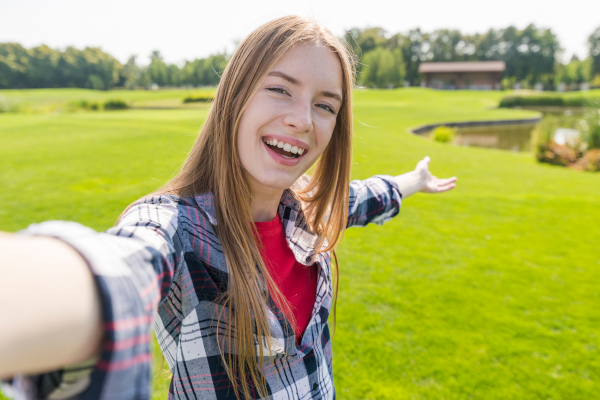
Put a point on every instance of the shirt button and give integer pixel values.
(315, 386)
(307, 259)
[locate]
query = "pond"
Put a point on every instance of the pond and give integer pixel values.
(513, 135)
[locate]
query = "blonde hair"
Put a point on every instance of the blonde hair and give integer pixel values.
(213, 166)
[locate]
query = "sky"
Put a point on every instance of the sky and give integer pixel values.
(185, 30)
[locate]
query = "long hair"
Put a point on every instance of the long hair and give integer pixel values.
(213, 166)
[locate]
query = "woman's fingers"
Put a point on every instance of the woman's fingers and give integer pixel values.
(444, 182)
(446, 187)
(443, 185)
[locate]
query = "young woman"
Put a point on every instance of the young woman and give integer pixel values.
(230, 260)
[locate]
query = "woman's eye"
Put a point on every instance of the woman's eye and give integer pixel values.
(326, 108)
(277, 90)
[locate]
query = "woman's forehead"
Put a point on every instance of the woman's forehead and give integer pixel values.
(311, 64)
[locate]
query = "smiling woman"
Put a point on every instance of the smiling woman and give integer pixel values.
(230, 260)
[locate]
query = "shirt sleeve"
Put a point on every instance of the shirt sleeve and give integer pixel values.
(133, 265)
(375, 200)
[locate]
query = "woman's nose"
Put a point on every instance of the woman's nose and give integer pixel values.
(299, 117)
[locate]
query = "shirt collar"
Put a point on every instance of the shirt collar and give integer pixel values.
(299, 236)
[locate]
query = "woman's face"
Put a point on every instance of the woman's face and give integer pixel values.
(288, 123)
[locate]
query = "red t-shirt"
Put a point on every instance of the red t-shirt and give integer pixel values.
(297, 282)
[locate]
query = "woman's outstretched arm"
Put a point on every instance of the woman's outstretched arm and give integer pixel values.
(377, 199)
(421, 180)
(49, 306)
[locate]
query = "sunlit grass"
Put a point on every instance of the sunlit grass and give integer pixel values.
(57, 100)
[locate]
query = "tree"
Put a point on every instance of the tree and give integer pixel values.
(41, 71)
(382, 67)
(414, 47)
(594, 47)
(13, 64)
(174, 75)
(575, 72)
(101, 67)
(365, 40)
(43, 67)
(131, 73)
(158, 69)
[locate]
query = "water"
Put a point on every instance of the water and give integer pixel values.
(507, 135)
(513, 135)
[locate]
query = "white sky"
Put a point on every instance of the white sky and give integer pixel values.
(185, 29)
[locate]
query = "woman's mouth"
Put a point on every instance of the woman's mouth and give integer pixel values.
(285, 150)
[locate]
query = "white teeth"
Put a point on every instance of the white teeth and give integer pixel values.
(285, 146)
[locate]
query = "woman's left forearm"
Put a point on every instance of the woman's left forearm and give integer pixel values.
(408, 183)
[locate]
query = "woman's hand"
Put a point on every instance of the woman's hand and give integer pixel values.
(421, 180)
(50, 306)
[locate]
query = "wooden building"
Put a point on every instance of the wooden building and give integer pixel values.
(474, 75)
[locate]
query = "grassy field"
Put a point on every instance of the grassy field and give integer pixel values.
(56, 100)
(487, 292)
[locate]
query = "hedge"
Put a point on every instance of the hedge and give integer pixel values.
(545, 101)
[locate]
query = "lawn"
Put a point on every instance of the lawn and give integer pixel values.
(52, 100)
(487, 292)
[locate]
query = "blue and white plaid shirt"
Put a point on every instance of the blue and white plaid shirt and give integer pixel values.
(163, 264)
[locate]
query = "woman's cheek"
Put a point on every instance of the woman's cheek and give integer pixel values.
(325, 137)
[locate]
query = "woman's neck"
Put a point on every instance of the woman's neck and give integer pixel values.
(265, 202)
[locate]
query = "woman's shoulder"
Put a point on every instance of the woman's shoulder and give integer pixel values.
(172, 208)
(165, 200)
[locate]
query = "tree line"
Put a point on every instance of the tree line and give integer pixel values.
(530, 55)
(43, 67)
(384, 60)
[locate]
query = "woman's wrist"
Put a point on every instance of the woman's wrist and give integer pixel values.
(409, 183)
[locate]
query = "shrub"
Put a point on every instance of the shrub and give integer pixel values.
(83, 105)
(196, 99)
(115, 105)
(444, 134)
(590, 129)
(591, 160)
(544, 101)
(582, 154)
(557, 154)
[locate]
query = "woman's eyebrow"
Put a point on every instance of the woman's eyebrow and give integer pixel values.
(288, 78)
(296, 82)
(332, 95)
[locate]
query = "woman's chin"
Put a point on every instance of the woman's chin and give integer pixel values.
(277, 180)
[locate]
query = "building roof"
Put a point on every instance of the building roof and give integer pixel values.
(463, 66)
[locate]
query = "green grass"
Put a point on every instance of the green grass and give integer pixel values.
(53, 100)
(486, 292)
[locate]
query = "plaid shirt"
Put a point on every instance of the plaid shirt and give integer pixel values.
(163, 265)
